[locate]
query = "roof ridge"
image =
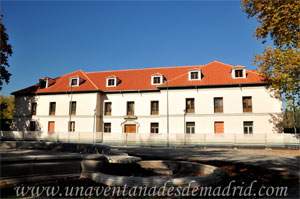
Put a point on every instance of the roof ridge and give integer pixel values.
(144, 69)
(220, 63)
(89, 79)
(203, 65)
(68, 73)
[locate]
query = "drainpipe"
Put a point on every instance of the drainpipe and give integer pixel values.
(167, 111)
(184, 126)
(94, 127)
(126, 136)
(70, 113)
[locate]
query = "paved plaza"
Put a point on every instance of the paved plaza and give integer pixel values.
(281, 160)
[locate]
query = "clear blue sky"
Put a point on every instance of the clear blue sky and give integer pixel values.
(55, 38)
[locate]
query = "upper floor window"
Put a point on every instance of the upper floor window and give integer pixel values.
(190, 105)
(248, 127)
(190, 127)
(107, 108)
(218, 104)
(33, 108)
(111, 82)
(52, 108)
(73, 108)
(238, 73)
(130, 108)
(154, 107)
(195, 75)
(247, 104)
(154, 128)
(74, 81)
(107, 127)
(157, 79)
(71, 126)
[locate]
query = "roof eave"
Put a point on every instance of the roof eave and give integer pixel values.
(58, 92)
(216, 85)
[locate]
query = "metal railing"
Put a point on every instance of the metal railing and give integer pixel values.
(204, 140)
(231, 140)
(68, 137)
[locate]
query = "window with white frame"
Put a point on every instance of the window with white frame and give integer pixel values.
(111, 82)
(194, 75)
(107, 127)
(154, 127)
(156, 79)
(248, 127)
(190, 127)
(74, 81)
(238, 73)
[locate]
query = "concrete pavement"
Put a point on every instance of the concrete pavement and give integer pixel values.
(281, 160)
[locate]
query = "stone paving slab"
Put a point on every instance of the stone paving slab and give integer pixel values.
(271, 159)
(122, 159)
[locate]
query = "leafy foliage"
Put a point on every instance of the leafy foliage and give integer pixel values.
(7, 105)
(281, 67)
(278, 18)
(288, 118)
(5, 51)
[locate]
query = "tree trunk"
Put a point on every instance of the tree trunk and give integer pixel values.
(294, 116)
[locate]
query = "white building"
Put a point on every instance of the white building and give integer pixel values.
(212, 98)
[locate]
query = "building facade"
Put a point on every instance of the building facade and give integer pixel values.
(208, 99)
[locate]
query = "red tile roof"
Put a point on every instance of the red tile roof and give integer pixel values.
(214, 73)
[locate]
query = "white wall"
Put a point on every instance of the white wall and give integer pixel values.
(263, 106)
(204, 117)
(84, 118)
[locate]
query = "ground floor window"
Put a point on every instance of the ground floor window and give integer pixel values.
(32, 126)
(190, 127)
(51, 126)
(154, 127)
(72, 126)
(107, 127)
(219, 127)
(248, 127)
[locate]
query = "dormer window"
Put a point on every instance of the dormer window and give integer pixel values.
(46, 82)
(74, 81)
(157, 79)
(43, 83)
(194, 75)
(238, 73)
(111, 82)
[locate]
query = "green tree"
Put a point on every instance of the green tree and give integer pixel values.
(7, 105)
(288, 118)
(280, 21)
(5, 51)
